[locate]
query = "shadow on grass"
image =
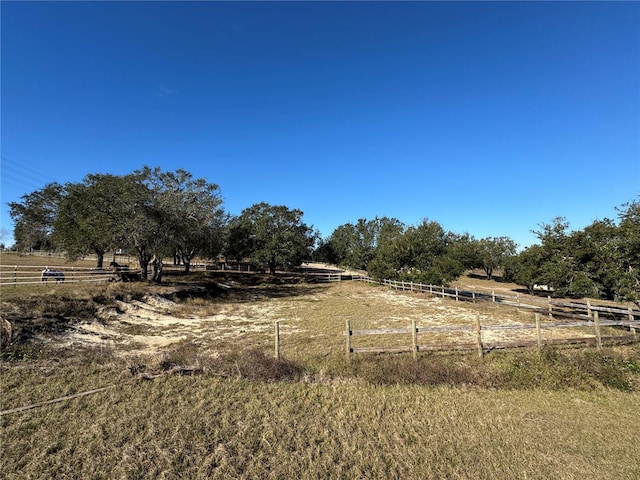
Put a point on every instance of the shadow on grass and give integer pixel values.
(31, 316)
(239, 286)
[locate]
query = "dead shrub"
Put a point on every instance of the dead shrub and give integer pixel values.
(256, 365)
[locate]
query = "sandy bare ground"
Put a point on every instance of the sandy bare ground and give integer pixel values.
(313, 318)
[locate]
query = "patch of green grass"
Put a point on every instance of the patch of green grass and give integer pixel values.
(569, 368)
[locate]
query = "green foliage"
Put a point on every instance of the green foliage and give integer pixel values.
(602, 260)
(86, 221)
(271, 236)
(154, 213)
(190, 212)
(493, 251)
(356, 245)
(424, 253)
(34, 217)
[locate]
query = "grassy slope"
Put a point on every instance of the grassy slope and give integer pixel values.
(197, 427)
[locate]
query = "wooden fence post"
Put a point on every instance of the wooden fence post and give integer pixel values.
(493, 296)
(414, 339)
(538, 331)
(277, 334)
(348, 333)
(596, 324)
(15, 276)
(631, 319)
(589, 312)
(550, 306)
(479, 337)
(457, 298)
(473, 296)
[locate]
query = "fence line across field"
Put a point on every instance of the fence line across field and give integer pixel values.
(547, 307)
(481, 345)
(33, 274)
(15, 274)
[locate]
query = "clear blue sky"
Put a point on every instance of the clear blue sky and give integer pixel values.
(489, 118)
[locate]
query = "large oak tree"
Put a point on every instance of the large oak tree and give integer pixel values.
(271, 236)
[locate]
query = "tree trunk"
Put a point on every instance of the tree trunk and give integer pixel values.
(156, 269)
(100, 262)
(489, 272)
(186, 261)
(144, 260)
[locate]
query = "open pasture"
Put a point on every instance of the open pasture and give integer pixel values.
(227, 314)
(568, 413)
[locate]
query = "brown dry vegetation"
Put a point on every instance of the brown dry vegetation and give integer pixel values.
(235, 412)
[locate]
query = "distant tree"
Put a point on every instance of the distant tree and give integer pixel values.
(272, 236)
(431, 248)
(240, 238)
(492, 252)
(557, 268)
(465, 249)
(341, 243)
(596, 256)
(569, 263)
(422, 253)
(525, 268)
(355, 245)
(106, 212)
(189, 211)
(88, 216)
(628, 287)
(325, 252)
(136, 220)
(34, 216)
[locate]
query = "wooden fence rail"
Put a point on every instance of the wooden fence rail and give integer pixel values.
(481, 344)
(548, 306)
(13, 275)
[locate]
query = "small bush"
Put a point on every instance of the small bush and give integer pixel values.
(248, 364)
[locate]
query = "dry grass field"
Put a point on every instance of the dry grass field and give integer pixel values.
(194, 390)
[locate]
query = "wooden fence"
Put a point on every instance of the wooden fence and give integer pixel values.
(482, 345)
(544, 305)
(14, 275)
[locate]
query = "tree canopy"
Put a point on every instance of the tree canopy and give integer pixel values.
(159, 214)
(602, 260)
(34, 216)
(150, 212)
(271, 237)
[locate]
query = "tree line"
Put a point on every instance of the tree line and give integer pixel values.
(423, 253)
(600, 261)
(159, 214)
